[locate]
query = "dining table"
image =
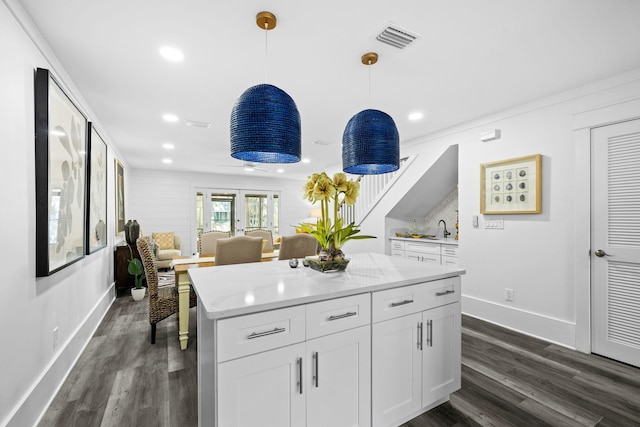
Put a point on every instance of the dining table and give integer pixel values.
(181, 265)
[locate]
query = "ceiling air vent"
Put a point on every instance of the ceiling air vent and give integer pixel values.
(197, 124)
(396, 36)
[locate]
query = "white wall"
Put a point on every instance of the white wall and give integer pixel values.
(165, 201)
(541, 257)
(73, 299)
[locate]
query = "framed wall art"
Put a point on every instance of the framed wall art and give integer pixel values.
(511, 186)
(60, 161)
(120, 214)
(96, 232)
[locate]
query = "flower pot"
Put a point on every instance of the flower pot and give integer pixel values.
(138, 293)
(328, 266)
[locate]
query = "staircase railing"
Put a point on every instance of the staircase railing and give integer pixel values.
(372, 189)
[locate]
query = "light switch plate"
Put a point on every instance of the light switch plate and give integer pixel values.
(495, 224)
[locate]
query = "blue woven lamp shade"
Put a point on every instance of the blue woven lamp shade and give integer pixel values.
(370, 144)
(265, 126)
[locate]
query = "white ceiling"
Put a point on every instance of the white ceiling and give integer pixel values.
(475, 57)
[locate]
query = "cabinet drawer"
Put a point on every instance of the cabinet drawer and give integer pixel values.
(423, 247)
(340, 314)
(449, 250)
(450, 261)
(395, 252)
(442, 292)
(397, 245)
(423, 257)
(254, 333)
(397, 302)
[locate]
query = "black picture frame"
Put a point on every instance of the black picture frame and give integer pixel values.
(96, 233)
(60, 162)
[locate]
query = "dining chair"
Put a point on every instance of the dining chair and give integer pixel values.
(163, 294)
(238, 250)
(297, 246)
(265, 235)
(207, 241)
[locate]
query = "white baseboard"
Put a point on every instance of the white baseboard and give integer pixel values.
(32, 407)
(536, 325)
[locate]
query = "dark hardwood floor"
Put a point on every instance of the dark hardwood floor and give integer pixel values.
(508, 379)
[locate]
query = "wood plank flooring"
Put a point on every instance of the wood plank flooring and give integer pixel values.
(508, 379)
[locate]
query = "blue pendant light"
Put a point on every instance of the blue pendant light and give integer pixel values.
(265, 123)
(370, 143)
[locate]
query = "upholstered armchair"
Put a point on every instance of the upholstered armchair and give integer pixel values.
(238, 250)
(167, 248)
(297, 246)
(264, 235)
(207, 241)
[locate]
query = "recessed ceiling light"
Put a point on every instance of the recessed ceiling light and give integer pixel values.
(171, 118)
(171, 54)
(280, 170)
(305, 160)
(167, 161)
(415, 116)
(168, 146)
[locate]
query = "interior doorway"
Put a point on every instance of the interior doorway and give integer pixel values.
(615, 253)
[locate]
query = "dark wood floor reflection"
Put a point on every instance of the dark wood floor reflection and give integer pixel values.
(508, 379)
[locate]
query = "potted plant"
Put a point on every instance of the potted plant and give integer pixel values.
(331, 235)
(136, 269)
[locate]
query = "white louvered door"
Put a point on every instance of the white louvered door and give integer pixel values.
(615, 248)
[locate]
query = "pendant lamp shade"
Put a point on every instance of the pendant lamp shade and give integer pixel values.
(370, 144)
(265, 126)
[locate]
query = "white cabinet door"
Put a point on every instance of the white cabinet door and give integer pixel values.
(265, 389)
(339, 379)
(441, 352)
(396, 369)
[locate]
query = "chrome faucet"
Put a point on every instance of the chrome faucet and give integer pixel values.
(446, 233)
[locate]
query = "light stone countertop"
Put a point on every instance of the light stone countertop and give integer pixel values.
(450, 241)
(233, 290)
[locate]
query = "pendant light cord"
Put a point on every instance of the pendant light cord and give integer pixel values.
(370, 103)
(266, 53)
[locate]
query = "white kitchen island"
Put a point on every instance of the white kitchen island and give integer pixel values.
(375, 345)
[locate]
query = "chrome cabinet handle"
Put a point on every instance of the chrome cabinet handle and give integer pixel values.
(450, 291)
(315, 368)
(430, 333)
(253, 335)
(419, 335)
(396, 304)
(299, 383)
(342, 316)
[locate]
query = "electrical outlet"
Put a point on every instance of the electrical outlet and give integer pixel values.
(55, 337)
(508, 294)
